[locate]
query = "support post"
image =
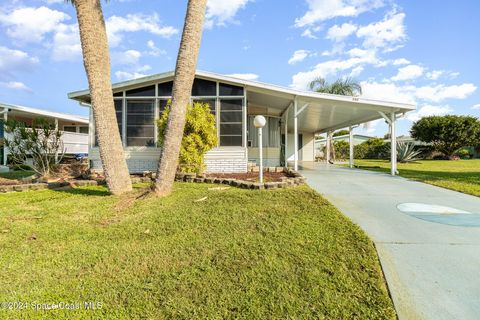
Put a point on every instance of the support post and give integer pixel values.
(260, 149)
(295, 133)
(5, 118)
(393, 140)
(350, 146)
(286, 139)
(56, 152)
(327, 149)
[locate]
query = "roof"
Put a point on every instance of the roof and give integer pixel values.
(325, 111)
(346, 136)
(45, 113)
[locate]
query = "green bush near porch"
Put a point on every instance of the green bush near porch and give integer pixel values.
(238, 254)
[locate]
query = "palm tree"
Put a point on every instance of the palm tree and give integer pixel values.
(182, 87)
(96, 60)
(344, 87)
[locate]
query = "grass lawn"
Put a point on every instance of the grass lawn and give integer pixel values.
(15, 175)
(238, 254)
(459, 175)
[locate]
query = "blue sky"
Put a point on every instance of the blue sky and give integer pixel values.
(423, 52)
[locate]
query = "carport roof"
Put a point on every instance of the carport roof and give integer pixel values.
(323, 112)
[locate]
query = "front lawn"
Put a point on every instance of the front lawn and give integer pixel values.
(236, 254)
(459, 175)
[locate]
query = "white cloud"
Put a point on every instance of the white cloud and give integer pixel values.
(298, 56)
(126, 57)
(428, 110)
(409, 72)
(31, 24)
(434, 75)
(244, 76)
(390, 91)
(339, 33)
(154, 51)
(358, 57)
(307, 33)
(476, 106)
(15, 85)
(321, 10)
(356, 72)
(221, 12)
(385, 33)
(12, 60)
(66, 43)
(116, 26)
(400, 61)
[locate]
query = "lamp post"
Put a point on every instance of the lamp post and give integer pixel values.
(259, 122)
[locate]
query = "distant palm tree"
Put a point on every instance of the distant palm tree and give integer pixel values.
(182, 87)
(344, 87)
(96, 60)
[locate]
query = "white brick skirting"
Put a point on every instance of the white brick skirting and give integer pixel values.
(225, 165)
(134, 165)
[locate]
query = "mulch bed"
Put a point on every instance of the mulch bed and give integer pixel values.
(251, 176)
(9, 182)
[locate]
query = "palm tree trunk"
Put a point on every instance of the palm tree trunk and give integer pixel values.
(182, 87)
(96, 60)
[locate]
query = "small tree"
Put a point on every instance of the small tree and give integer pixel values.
(342, 132)
(199, 136)
(448, 133)
(342, 149)
(42, 142)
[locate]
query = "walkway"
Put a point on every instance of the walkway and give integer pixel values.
(432, 265)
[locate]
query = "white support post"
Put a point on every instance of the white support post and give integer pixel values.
(327, 149)
(5, 118)
(286, 139)
(393, 140)
(350, 146)
(295, 133)
(260, 148)
(56, 129)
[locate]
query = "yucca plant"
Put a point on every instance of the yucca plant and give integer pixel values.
(406, 152)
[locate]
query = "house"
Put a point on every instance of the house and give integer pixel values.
(75, 128)
(357, 139)
(293, 119)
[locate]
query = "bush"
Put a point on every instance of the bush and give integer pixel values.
(464, 153)
(447, 133)
(199, 136)
(42, 142)
(22, 167)
(374, 148)
(342, 150)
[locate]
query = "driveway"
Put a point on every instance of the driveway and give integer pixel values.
(430, 254)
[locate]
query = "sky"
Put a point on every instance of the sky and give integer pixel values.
(421, 52)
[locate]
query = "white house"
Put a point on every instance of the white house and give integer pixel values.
(293, 118)
(75, 128)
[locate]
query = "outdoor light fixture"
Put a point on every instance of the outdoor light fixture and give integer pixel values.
(259, 122)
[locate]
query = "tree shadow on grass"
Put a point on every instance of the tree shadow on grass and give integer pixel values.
(84, 191)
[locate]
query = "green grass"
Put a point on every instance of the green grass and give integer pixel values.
(275, 254)
(459, 175)
(15, 175)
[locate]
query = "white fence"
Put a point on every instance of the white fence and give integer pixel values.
(75, 142)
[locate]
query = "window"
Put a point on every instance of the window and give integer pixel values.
(83, 129)
(118, 94)
(142, 92)
(162, 104)
(204, 88)
(165, 89)
(270, 136)
(211, 103)
(231, 128)
(230, 90)
(140, 123)
(70, 128)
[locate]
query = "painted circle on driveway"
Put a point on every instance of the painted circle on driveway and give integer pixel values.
(440, 214)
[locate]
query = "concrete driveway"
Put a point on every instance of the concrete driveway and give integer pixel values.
(431, 260)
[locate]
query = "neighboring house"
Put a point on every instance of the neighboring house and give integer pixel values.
(322, 142)
(234, 102)
(75, 128)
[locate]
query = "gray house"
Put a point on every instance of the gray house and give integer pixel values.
(293, 118)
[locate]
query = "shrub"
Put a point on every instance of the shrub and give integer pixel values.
(199, 136)
(341, 149)
(42, 142)
(406, 152)
(447, 133)
(374, 148)
(464, 153)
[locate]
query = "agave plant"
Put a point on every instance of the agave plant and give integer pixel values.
(406, 152)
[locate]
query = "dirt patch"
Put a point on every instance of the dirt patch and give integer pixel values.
(9, 182)
(251, 176)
